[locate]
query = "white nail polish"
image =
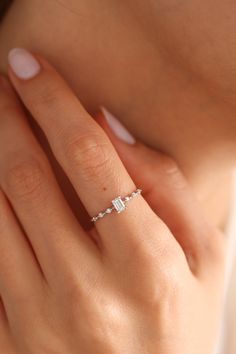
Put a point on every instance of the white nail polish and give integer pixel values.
(118, 129)
(23, 63)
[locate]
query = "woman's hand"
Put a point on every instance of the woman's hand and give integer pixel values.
(148, 280)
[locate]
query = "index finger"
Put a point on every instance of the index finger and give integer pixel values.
(78, 142)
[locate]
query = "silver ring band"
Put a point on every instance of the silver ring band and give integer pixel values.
(118, 205)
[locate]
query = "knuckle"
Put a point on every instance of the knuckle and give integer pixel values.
(103, 332)
(74, 293)
(159, 273)
(169, 165)
(171, 278)
(91, 154)
(24, 179)
(77, 294)
(161, 290)
(172, 171)
(98, 325)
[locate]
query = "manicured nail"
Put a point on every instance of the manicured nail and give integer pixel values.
(118, 129)
(23, 64)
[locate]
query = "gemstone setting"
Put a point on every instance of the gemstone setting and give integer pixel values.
(118, 204)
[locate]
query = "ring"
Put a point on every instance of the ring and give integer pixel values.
(119, 204)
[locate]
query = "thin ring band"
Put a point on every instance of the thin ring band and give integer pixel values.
(119, 204)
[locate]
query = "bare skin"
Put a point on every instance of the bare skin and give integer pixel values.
(138, 279)
(150, 273)
(138, 61)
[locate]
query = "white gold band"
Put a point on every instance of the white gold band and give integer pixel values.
(118, 205)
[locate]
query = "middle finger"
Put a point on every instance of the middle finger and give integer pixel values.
(58, 241)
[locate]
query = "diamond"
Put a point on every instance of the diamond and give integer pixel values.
(119, 205)
(109, 210)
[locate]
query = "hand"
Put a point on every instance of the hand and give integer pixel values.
(148, 280)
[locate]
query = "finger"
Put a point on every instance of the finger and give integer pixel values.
(167, 192)
(20, 275)
(26, 177)
(6, 342)
(83, 149)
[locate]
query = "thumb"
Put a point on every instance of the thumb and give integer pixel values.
(166, 190)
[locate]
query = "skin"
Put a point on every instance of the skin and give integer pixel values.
(155, 84)
(175, 93)
(136, 281)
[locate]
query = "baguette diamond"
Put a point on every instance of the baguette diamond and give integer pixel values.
(119, 205)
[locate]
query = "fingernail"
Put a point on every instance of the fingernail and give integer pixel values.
(118, 129)
(23, 63)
